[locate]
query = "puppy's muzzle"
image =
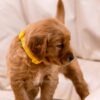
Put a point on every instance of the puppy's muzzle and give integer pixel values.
(70, 57)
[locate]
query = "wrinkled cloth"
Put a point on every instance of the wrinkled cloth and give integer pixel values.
(81, 18)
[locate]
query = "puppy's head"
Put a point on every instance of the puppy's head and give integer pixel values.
(49, 40)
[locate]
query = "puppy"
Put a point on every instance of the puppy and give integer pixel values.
(38, 54)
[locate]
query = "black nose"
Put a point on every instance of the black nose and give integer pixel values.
(70, 57)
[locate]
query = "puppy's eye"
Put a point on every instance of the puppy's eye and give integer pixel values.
(60, 45)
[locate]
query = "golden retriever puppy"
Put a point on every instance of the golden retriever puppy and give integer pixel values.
(38, 54)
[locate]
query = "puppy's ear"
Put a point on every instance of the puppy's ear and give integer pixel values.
(60, 11)
(38, 45)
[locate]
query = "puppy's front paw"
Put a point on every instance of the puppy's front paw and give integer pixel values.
(85, 93)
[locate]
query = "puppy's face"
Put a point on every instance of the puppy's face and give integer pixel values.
(49, 41)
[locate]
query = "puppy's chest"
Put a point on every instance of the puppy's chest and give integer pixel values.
(34, 79)
(37, 79)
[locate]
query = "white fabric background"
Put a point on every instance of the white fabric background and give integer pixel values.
(83, 21)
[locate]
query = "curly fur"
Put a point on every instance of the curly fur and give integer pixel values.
(49, 41)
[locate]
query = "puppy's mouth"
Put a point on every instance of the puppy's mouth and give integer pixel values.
(52, 61)
(64, 62)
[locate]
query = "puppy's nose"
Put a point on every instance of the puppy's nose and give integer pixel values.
(70, 57)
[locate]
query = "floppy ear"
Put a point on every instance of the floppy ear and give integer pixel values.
(60, 11)
(38, 45)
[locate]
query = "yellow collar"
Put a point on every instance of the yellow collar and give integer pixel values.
(27, 50)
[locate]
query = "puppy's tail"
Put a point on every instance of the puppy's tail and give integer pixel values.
(60, 11)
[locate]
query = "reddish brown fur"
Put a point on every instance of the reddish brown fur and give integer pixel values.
(49, 41)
